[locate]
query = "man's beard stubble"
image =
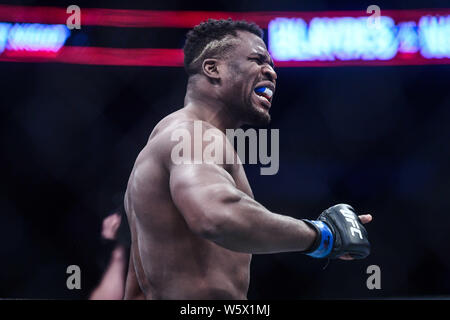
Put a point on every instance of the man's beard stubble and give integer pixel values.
(259, 118)
(254, 116)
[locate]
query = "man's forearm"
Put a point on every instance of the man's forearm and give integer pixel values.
(216, 209)
(246, 226)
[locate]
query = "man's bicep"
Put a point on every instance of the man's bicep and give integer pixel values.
(200, 192)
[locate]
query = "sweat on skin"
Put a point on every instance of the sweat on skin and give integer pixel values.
(183, 152)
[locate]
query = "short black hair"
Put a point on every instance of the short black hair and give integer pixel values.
(208, 31)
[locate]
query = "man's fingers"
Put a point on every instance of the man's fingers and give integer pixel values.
(365, 218)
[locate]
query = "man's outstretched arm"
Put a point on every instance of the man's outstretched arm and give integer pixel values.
(214, 208)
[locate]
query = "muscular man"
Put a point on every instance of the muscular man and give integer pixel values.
(195, 224)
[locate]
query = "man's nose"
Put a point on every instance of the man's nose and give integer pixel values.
(270, 73)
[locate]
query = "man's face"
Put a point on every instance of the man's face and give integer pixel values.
(249, 80)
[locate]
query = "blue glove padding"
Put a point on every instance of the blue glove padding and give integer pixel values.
(324, 241)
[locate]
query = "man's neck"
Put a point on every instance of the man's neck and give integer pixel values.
(210, 109)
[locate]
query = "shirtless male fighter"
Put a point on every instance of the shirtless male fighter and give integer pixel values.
(195, 225)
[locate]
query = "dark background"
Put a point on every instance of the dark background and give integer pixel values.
(374, 137)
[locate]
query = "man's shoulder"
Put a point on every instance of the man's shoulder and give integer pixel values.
(169, 129)
(187, 138)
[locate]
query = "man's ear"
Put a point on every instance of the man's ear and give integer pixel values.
(210, 68)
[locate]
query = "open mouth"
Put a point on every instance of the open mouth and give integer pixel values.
(264, 94)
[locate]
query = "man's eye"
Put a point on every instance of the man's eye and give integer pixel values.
(258, 60)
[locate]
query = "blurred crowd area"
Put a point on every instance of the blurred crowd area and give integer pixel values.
(374, 137)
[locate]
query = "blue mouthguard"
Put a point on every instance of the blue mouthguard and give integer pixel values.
(260, 90)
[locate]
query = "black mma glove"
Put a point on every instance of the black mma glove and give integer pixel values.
(339, 232)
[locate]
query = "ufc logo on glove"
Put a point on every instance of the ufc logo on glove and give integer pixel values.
(350, 217)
